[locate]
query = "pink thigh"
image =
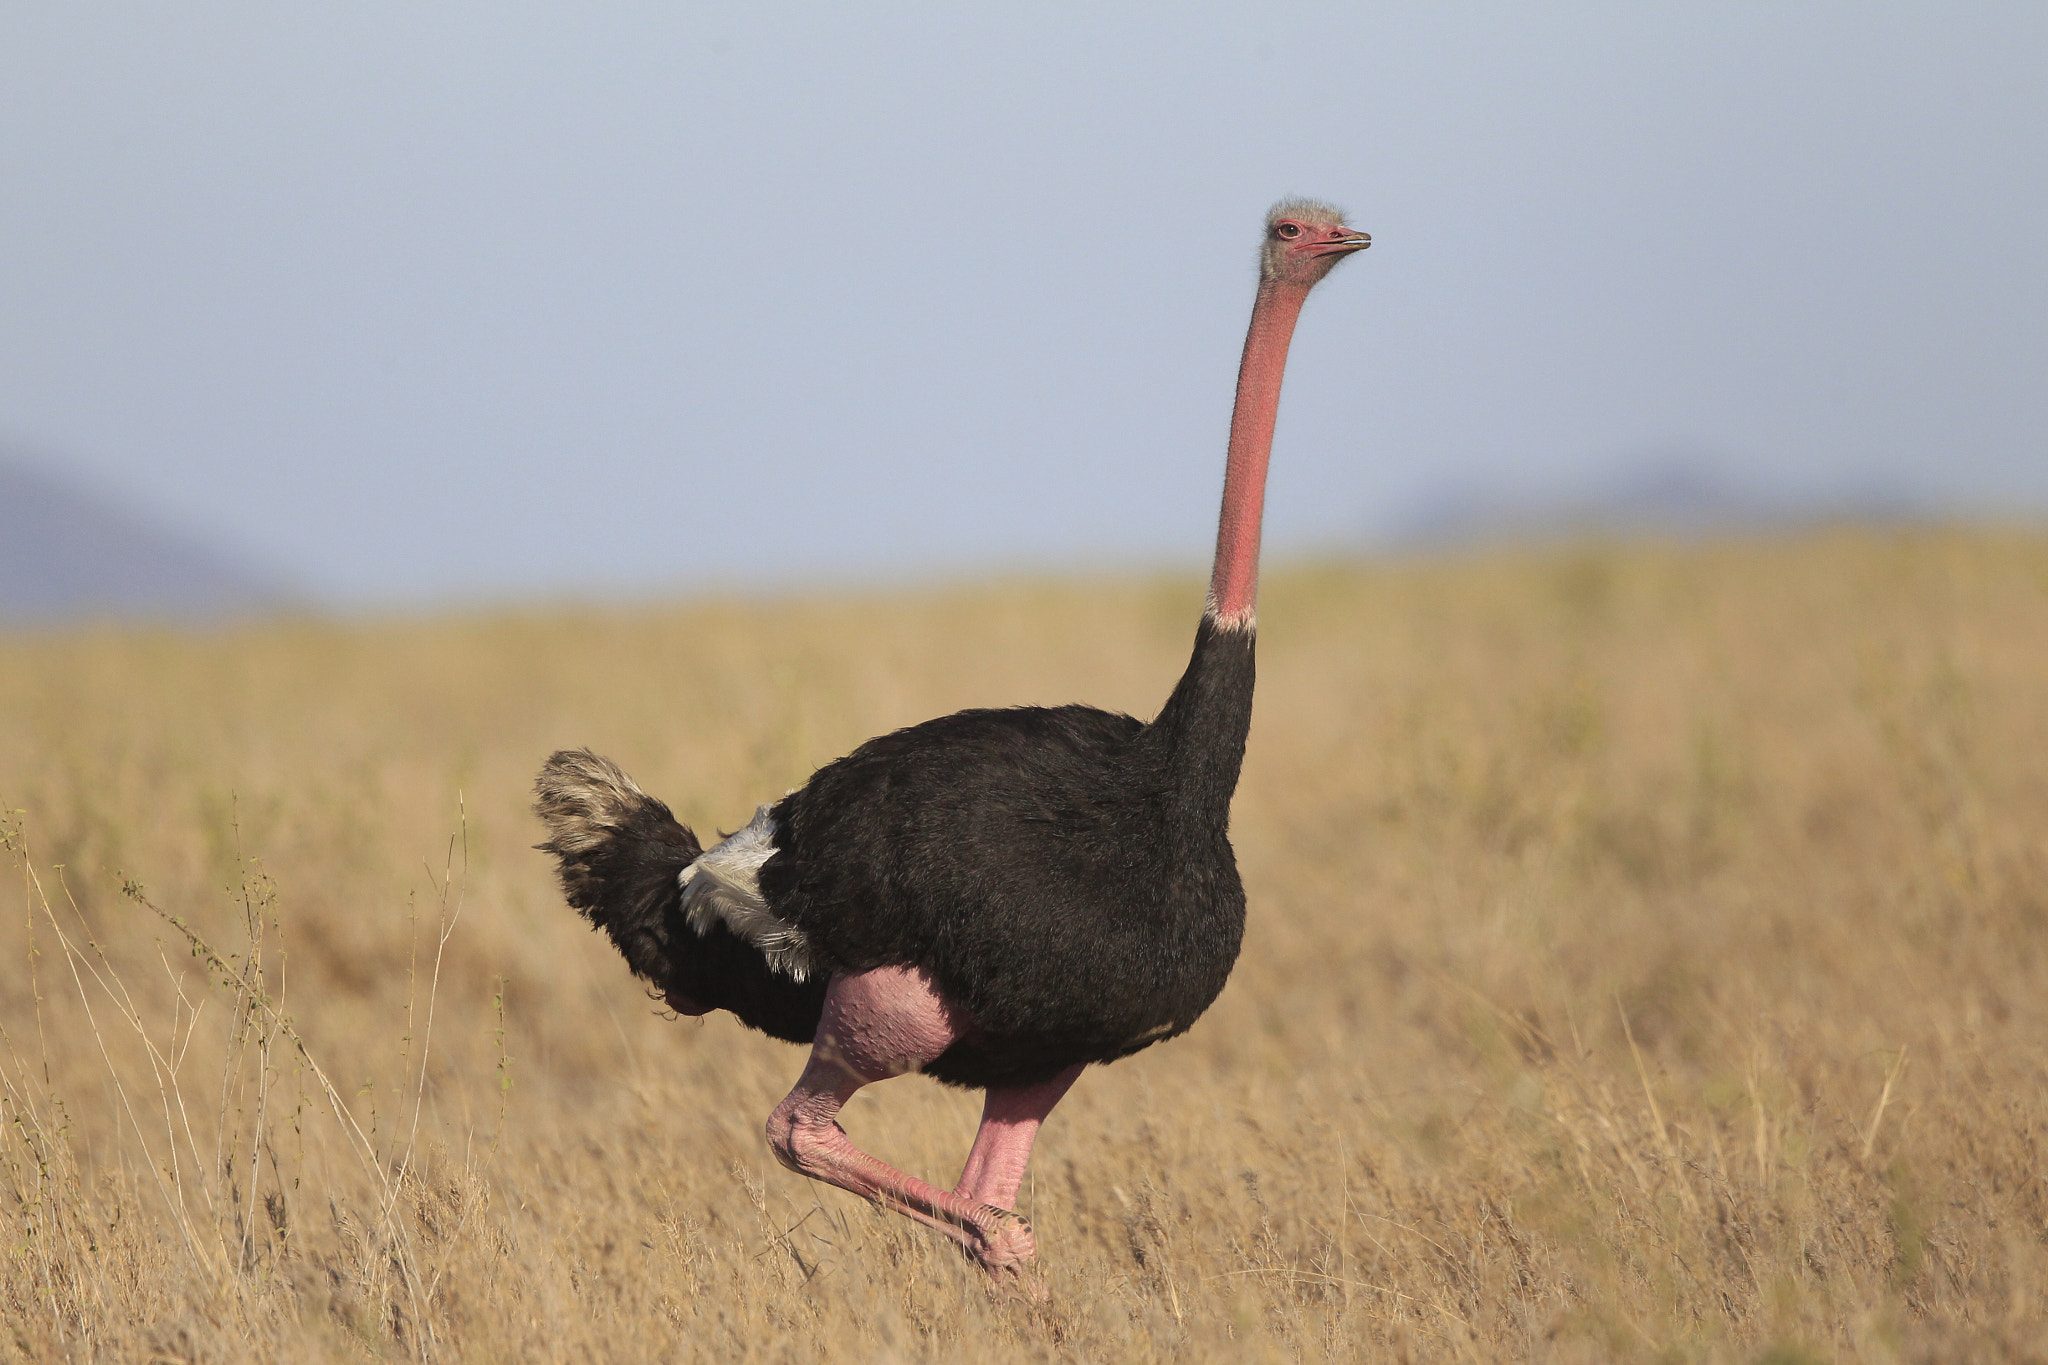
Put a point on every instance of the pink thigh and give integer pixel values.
(886, 1022)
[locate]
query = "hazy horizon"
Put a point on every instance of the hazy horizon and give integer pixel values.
(481, 303)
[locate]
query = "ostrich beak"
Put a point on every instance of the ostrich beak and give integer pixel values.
(1357, 241)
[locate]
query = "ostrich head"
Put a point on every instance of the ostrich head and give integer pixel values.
(1304, 240)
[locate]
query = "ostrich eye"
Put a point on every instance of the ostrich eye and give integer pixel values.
(1287, 230)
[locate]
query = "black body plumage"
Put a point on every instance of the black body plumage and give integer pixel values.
(1062, 874)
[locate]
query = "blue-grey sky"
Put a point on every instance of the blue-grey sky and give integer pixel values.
(461, 300)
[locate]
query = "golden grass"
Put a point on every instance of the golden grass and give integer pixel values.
(1646, 961)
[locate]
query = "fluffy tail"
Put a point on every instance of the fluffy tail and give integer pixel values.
(620, 852)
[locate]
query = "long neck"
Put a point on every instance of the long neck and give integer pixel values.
(1198, 736)
(1234, 585)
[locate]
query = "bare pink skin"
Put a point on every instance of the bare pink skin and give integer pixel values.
(1010, 1118)
(1298, 253)
(883, 1023)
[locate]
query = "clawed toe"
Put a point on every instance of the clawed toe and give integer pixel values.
(1000, 1242)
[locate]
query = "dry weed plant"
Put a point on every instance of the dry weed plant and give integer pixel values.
(1646, 961)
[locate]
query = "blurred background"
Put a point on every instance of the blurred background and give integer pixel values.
(388, 306)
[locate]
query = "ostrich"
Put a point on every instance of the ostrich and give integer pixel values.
(995, 898)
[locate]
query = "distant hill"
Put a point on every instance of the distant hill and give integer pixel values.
(68, 554)
(1680, 497)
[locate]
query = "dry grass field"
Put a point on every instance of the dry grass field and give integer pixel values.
(1648, 960)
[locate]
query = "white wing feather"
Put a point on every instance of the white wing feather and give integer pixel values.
(724, 885)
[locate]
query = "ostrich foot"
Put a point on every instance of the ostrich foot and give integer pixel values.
(1001, 1241)
(1004, 1248)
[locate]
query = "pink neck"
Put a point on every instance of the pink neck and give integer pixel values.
(1234, 586)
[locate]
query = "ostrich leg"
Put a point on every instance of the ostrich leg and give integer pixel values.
(1010, 1117)
(879, 1024)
